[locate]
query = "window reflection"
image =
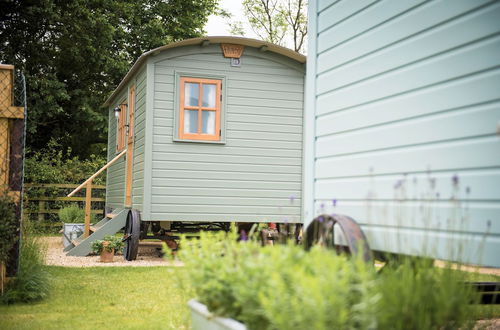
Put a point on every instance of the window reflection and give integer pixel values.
(192, 92)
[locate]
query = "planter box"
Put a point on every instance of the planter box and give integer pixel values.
(204, 320)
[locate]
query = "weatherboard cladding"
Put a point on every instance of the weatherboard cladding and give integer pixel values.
(115, 178)
(253, 175)
(139, 140)
(406, 97)
(115, 189)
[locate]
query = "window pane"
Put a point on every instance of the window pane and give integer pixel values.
(208, 99)
(208, 122)
(191, 121)
(191, 93)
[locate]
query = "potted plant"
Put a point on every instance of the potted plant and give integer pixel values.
(107, 247)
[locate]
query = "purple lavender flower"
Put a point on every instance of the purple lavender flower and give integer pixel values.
(321, 219)
(454, 179)
(243, 236)
(322, 205)
(334, 202)
(292, 198)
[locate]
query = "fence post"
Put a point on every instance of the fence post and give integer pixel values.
(41, 209)
(88, 202)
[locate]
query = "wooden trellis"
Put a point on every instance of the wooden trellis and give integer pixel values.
(8, 115)
(12, 121)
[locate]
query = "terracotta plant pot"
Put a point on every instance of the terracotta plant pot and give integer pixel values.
(107, 256)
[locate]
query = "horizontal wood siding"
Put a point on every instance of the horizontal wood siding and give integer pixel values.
(256, 174)
(115, 184)
(139, 138)
(407, 108)
(115, 178)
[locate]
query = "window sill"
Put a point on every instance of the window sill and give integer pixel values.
(199, 141)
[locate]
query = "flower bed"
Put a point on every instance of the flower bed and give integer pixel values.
(285, 287)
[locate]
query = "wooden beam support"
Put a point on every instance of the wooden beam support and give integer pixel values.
(4, 152)
(11, 112)
(130, 148)
(111, 162)
(88, 204)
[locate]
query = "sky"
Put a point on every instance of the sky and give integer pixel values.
(218, 26)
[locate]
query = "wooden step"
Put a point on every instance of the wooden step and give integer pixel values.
(93, 229)
(110, 215)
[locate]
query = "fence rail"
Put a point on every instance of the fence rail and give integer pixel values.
(42, 201)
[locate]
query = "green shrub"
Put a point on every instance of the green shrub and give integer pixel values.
(285, 287)
(8, 226)
(55, 164)
(114, 243)
(72, 214)
(31, 282)
(416, 295)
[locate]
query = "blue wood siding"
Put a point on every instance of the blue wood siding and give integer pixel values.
(115, 183)
(405, 99)
(139, 140)
(115, 177)
(253, 175)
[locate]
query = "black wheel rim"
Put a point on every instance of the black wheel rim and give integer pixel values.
(132, 233)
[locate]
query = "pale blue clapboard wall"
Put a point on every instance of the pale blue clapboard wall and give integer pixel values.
(402, 115)
(115, 175)
(115, 183)
(257, 174)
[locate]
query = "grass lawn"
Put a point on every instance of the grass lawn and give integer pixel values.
(105, 297)
(122, 298)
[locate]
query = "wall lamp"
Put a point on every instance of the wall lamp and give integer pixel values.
(118, 110)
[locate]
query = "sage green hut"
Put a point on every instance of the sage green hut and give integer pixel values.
(208, 130)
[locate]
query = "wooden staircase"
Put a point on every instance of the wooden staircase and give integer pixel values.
(110, 225)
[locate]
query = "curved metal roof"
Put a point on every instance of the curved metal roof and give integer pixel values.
(267, 46)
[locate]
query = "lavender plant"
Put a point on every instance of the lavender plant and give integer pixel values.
(285, 287)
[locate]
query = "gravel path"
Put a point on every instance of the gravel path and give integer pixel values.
(147, 257)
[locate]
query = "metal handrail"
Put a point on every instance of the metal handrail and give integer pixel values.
(111, 162)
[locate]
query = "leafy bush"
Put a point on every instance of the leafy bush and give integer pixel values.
(55, 164)
(113, 243)
(416, 295)
(285, 287)
(8, 226)
(72, 214)
(32, 280)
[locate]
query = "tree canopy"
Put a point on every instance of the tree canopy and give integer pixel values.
(282, 22)
(75, 52)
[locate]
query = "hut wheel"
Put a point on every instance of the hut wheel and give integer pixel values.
(132, 233)
(321, 231)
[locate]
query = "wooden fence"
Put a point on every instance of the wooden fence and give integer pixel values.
(42, 202)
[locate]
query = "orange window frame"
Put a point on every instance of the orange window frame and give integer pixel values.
(182, 107)
(120, 128)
